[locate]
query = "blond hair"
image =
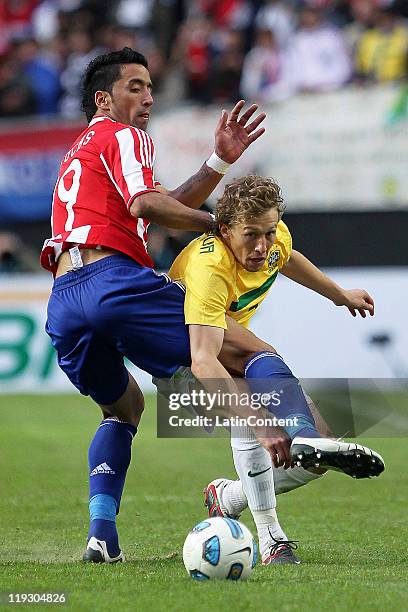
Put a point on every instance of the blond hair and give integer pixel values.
(248, 197)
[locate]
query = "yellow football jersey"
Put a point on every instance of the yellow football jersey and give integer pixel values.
(217, 285)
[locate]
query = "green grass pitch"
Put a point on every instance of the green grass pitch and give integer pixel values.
(353, 534)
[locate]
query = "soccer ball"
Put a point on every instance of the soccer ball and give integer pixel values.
(220, 548)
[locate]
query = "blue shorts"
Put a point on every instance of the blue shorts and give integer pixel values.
(111, 309)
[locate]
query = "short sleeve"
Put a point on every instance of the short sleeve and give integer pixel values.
(207, 296)
(129, 159)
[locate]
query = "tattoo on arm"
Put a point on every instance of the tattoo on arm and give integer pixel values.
(198, 177)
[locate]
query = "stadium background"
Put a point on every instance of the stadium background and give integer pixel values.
(331, 75)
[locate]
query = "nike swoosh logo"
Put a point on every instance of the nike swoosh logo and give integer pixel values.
(246, 549)
(253, 474)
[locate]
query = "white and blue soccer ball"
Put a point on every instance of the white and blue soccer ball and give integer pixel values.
(220, 548)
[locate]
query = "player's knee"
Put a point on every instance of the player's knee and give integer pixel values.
(134, 409)
(138, 407)
(239, 346)
(129, 407)
(257, 348)
(131, 413)
(265, 364)
(236, 361)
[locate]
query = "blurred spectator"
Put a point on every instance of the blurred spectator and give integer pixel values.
(363, 14)
(50, 15)
(42, 72)
(166, 18)
(265, 75)
(16, 94)
(102, 12)
(226, 66)
(134, 13)
(81, 52)
(279, 17)
(382, 51)
(15, 19)
(45, 20)
(227, 14)
(157, 65)
(15, 256)
(320, 61)
(114, 38)
(193, 49)
(204, 50)
(401, 7)
(338, 12)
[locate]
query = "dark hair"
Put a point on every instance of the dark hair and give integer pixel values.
(103, 72)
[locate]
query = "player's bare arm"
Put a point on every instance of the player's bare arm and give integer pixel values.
(302, 271)
(165, 210)
(205, 346)
(233, 135)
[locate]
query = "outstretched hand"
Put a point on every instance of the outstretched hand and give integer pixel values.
(234, 134)
(358, 300)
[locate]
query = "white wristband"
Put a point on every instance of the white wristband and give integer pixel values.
(217, 164)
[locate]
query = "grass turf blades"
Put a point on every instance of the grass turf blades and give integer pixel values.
(352, 534)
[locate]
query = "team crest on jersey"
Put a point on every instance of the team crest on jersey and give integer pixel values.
(273, 259)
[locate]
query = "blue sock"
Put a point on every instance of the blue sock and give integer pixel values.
(267, 372)
(109, 458)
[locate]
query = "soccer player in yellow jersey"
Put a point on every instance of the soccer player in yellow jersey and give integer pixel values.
(227, 276)
(221, 282)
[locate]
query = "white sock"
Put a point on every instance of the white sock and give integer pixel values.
(267, 526)
(254, 467)
(234, 499)
(293, 478)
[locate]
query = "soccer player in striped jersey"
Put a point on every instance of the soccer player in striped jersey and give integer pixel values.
(227, 276)
(107, 302)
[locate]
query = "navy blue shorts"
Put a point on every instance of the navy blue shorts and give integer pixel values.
(112, 309)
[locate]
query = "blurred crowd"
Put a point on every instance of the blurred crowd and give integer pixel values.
(199, 50)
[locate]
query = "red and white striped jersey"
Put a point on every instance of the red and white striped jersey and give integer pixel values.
(107, 167)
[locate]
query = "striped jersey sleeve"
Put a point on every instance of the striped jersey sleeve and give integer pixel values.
(129, 159)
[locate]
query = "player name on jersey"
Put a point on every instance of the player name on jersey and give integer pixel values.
(108, 166)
